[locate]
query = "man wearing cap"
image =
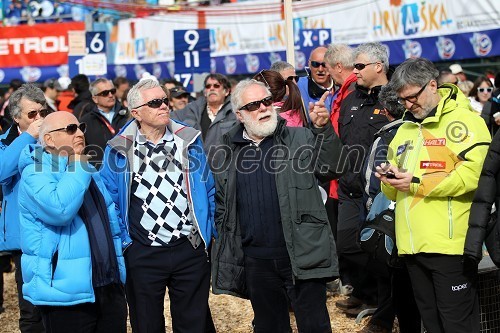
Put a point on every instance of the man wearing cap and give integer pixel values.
(51, 89)
(464, 84)
(179, 98)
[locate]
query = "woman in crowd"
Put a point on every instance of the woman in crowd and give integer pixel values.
(480, 93)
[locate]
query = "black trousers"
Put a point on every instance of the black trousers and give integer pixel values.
(270, 288)
(445, 292)
(30, 320)
(404, 301)
(107, 314)
(180, 268)
(4, 267)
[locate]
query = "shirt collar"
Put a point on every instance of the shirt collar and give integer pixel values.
(141, 138)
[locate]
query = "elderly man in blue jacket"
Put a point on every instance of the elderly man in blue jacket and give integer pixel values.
(27, 107)
(73, 268)
(157, 174)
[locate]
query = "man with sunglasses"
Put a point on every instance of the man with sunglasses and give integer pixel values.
(210, 114)
(104, 120)
(360, 117)
(73, 267)
(27, 107)
(274, 243)
(318, 80)
(436, 158)
(157, 173)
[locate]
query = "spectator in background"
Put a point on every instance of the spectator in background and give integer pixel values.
(83, 102)
(286, 70)
(66, 95)
(28, 107)
(171, 83)
(124, 101)
(121, 84)
(464, 84)
(480, 93)
(178, 98)
(491, 109)
(51, 89)
(447, 77)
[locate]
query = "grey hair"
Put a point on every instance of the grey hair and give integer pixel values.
(93, 85)
(340, 53)
(389, 100)
(241, 87)
(280, 66)
(375, 52)
(134, 97)
(413, 72)
(27, 91)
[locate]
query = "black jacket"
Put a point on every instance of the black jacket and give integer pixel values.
(360, 118)
(308, 156)
(82, 104)
(100, 131)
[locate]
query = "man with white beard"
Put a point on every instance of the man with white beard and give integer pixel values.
(275, 243)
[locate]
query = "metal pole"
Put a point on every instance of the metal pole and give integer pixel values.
(290, 49)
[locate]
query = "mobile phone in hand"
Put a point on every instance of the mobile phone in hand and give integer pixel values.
(390, 175)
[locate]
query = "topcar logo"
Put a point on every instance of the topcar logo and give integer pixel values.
(459, 287)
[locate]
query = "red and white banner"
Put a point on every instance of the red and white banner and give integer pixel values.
(37, 45)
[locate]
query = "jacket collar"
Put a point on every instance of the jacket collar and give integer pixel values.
(9, 136)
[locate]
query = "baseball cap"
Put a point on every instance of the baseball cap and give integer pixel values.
(177, 92)
(53, 84)
(456, 68)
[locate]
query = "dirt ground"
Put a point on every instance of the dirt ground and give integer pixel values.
(230, 314)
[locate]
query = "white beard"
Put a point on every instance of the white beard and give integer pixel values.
(257, 129)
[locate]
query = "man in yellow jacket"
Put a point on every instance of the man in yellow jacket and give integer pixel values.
(433, 167)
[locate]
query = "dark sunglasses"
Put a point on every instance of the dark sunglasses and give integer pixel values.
(43, 113)
(412, 98)
(215, 85)
(72, 128)
(485, 90)
(254, 106)
(155, 103)
(316, 64)
(359, 66)
(105, 93)
(293, 78)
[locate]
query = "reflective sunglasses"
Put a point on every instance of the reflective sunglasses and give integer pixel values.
(43, 113)
(359, 66)
(210, 85)
(72, 128)
(105, 93)
(254, 106)
(412, 98)
(316, 64)
(155, 103)
(293, 78)
(485, 90)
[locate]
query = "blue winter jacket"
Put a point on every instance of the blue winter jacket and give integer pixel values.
(56, 260)
(116, 175)
(304, 92)
(11, 145)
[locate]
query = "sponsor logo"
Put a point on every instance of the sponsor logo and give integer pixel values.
(171, 68)
(30, 74)
(213, 66)
(48, 44)
(388, 218)
(435, 142)
(354, 108)
(230, 64)
(401, 149)
(274, 56)
(481, 43)
(252, 62)
(139, 70)
(2, 75)
(412, 49)
(459, 287)
(433, 165)
(157, 70)
(300, 60)
(446, 47)
(121, 70)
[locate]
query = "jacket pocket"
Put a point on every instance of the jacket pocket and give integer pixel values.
(311, 240)
(53, 264)
(302, 170)
(4, 214)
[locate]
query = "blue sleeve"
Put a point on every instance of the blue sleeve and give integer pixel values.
(9, 156)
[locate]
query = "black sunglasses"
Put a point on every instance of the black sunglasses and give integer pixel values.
(359, 66)
(155, 103)
(293, 78)
(72, 128)
(412, 98)
(316, 64)
(254, 106)
(43, 113)
(105, 93)
(215, 85)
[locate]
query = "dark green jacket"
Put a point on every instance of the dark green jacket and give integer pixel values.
(308, 156)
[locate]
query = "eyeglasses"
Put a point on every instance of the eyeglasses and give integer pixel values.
(215, 85)
(485, 90)
(43, 113)
(359, 66)
(412, 98)
(254, 106)
(72, 128)
(316, 64)
(293, 78)
(155, 103)
(263, 78)
(105, 93)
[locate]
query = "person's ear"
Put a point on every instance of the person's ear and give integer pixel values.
(238, 116)
(49, 140)
(94, 98)
(226, 92)
(135, 114)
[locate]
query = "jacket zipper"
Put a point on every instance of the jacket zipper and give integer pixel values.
(4, 212)
(450, 219)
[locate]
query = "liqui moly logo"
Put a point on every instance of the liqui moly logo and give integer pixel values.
(481, 43)
(412, 49)
(446, 47)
